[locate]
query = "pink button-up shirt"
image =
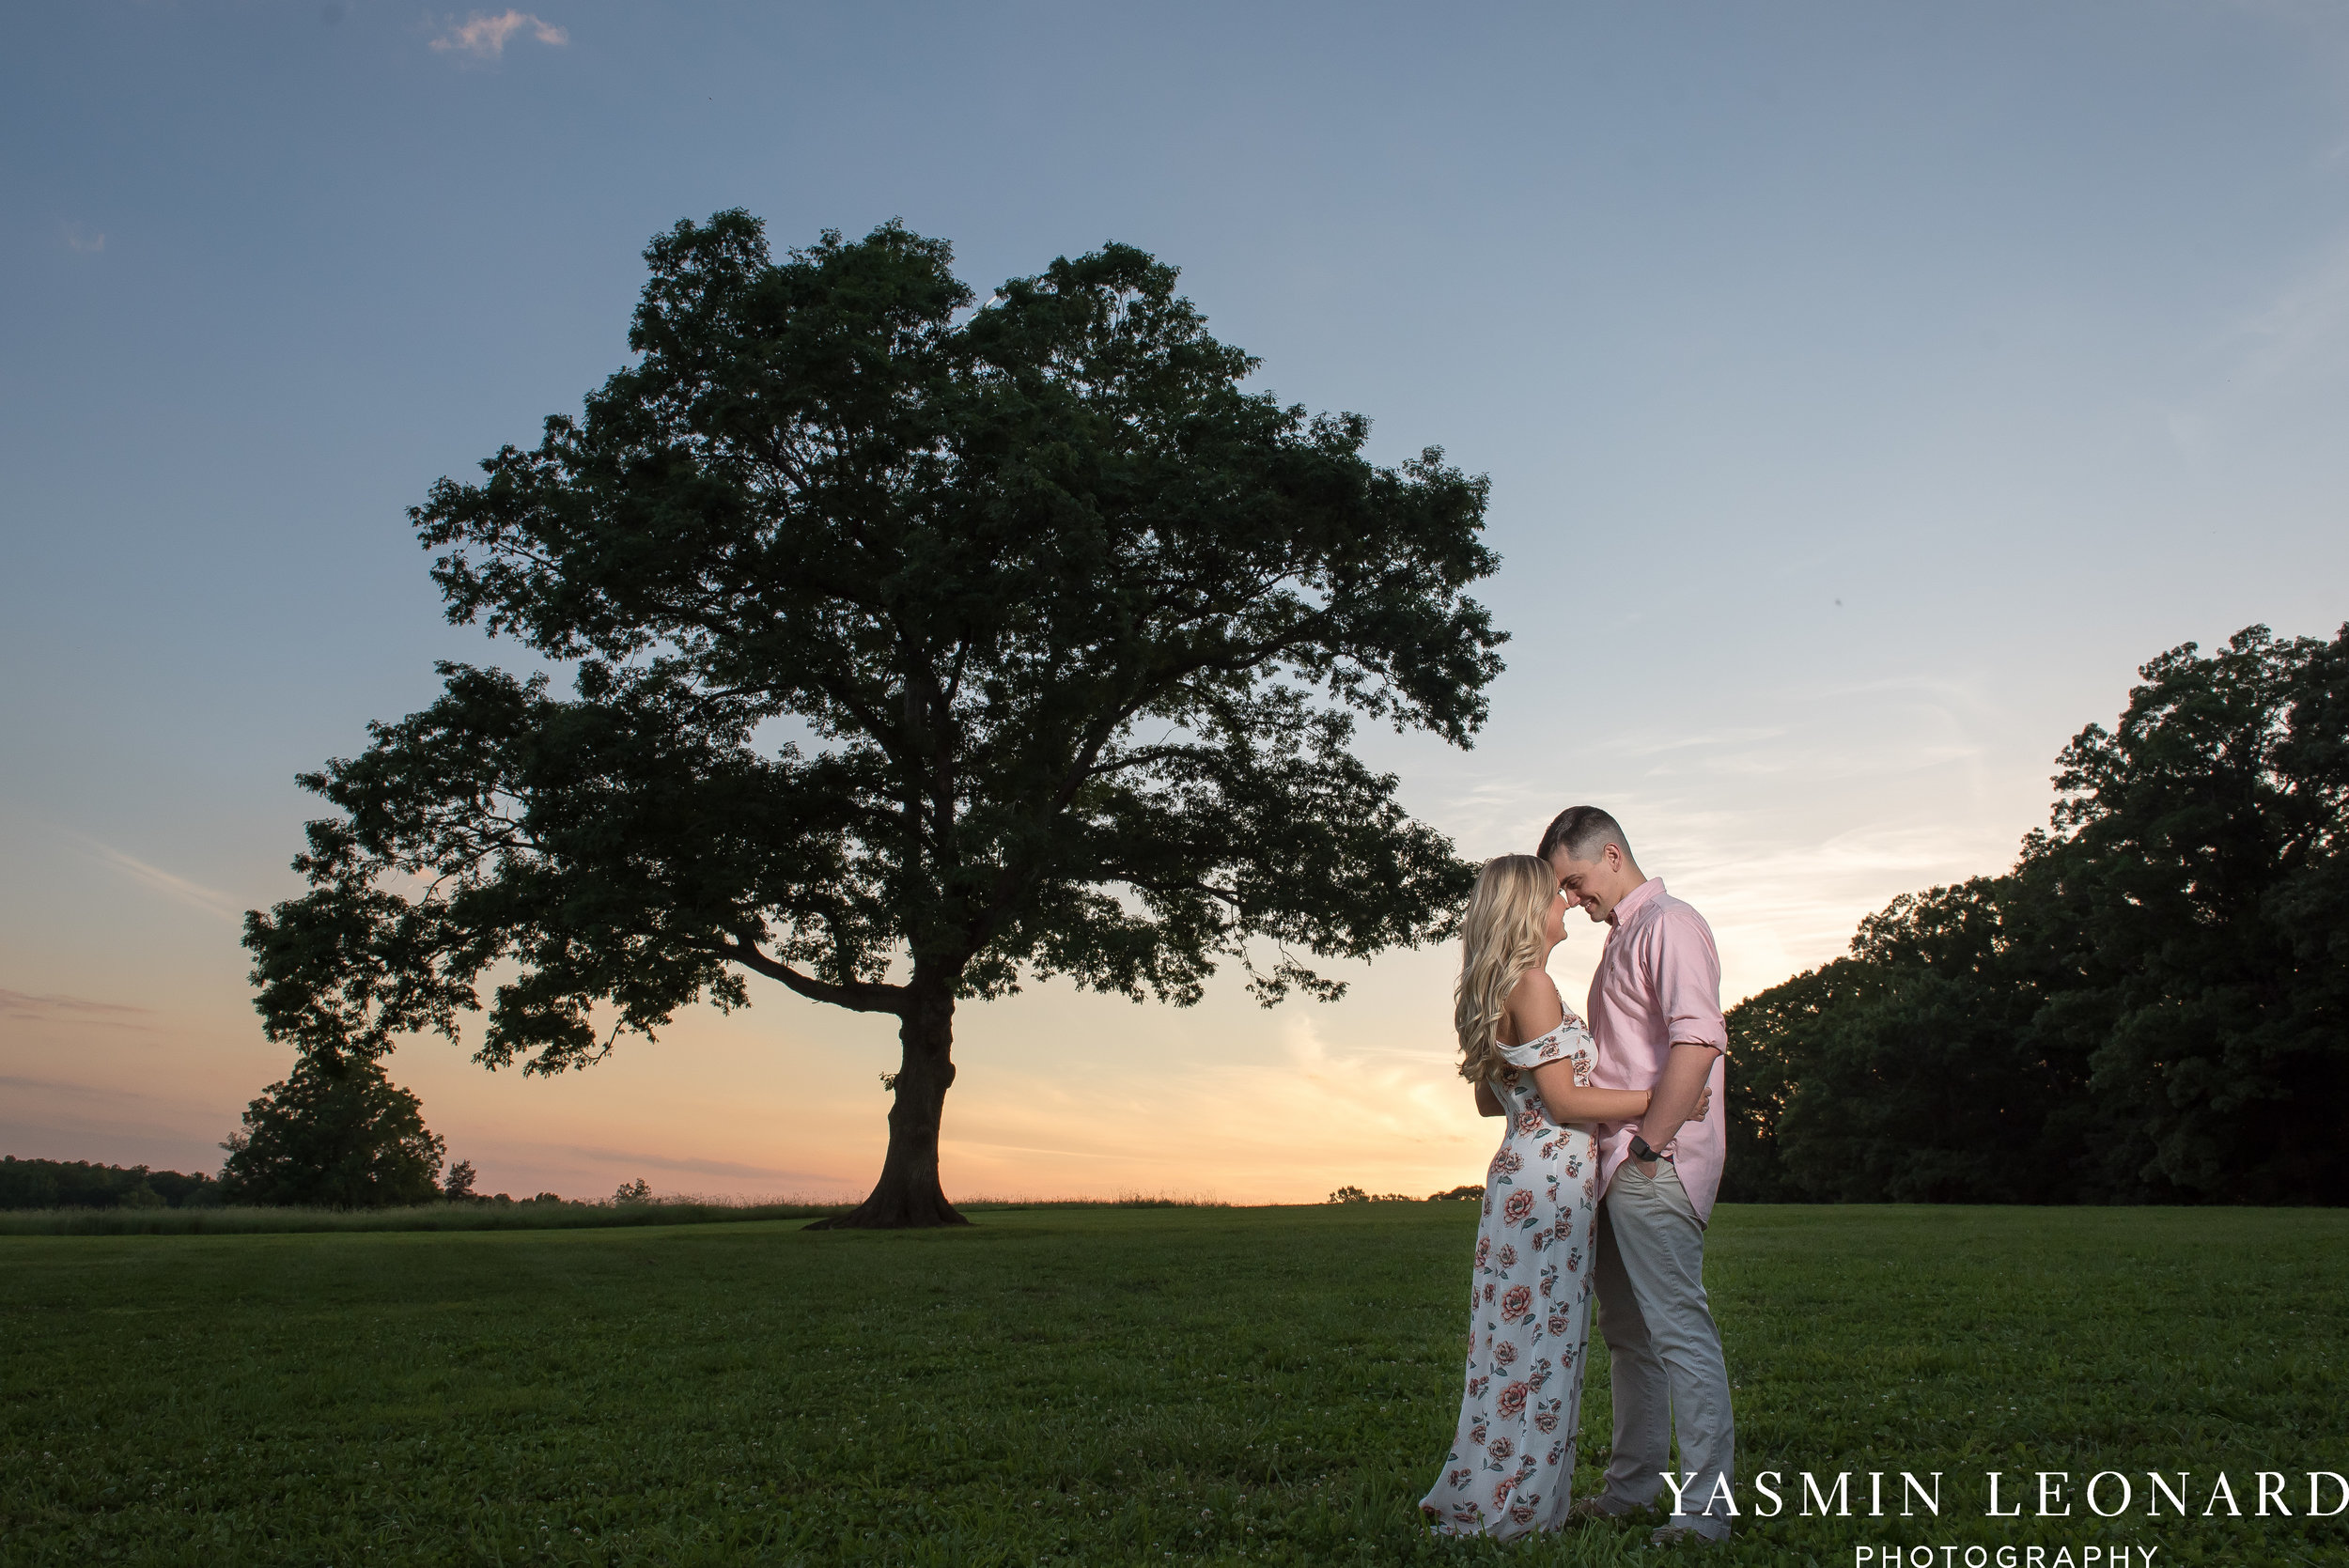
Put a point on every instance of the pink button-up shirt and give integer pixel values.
(1658, 983)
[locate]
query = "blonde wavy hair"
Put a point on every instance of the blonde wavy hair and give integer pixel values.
(1501, 938)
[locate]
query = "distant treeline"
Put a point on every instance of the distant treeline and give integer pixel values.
(76, 1184)
(2152, 1006)
(1470, 1193)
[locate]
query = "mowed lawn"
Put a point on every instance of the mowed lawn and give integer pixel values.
(1112, 1384)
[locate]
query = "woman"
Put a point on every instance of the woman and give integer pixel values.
(1511, 1469)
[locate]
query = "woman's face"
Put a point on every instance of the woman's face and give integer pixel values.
(1554, 922)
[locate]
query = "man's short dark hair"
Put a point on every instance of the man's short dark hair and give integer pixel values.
(1582, 833)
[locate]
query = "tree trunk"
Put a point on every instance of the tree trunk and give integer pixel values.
(908, 1196)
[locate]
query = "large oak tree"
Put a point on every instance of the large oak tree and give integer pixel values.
(921, 645)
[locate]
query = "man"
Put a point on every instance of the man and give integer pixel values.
(1656, 1012)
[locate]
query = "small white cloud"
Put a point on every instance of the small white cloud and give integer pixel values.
(86, 241)
(484, 38)
(1306, 1047)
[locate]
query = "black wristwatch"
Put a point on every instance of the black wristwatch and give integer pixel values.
(1645, 1156)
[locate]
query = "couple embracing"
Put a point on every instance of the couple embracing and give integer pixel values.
(1602, 1186)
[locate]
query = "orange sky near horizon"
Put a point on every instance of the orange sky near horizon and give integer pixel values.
(1061, 1093)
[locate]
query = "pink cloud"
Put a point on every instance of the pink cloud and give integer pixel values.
(484, 36)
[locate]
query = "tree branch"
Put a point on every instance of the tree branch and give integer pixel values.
(858, 996)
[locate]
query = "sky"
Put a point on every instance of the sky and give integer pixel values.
(1867, 389)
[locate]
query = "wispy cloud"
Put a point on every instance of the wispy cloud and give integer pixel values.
(2305, 322)
(635, 1158)
(28, 1007)
(2267, 357)
(48, 1118)
(156, 879)
(482, 38)
(82, 239)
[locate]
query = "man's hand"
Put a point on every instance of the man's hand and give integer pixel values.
(1704, 1103)
(1681, 1095)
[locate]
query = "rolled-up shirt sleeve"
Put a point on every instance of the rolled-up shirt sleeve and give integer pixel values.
(1688, 979)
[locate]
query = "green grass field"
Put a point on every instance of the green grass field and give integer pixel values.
(427, 1217)
(1098, 1386)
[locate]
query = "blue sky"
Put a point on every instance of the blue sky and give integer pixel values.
(1866, 390)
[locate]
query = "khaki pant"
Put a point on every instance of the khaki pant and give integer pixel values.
(1664, 1351)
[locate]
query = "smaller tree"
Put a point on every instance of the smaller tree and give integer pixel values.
(637, 1192)
(456, 1187)
(333, 1135)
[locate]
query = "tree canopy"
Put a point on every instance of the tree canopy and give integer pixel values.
(920, 645)
(333, 1133)
(2152, 1006)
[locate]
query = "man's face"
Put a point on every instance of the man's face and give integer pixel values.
(1594, 886)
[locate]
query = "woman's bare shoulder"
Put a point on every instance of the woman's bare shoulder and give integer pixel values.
(1534, 1006)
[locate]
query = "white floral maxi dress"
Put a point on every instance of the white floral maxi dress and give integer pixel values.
(1511, 1469)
